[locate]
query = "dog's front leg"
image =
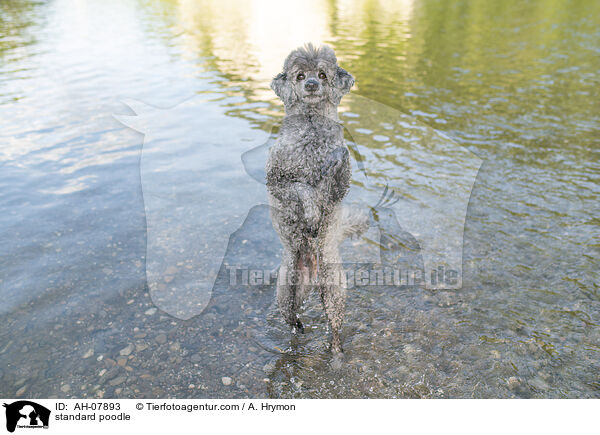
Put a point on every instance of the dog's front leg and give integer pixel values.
(309, 203)
(335, 174)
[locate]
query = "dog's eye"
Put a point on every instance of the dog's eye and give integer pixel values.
(300, 76)
(322, 75)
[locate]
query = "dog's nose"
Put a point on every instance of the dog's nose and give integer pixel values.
(311, 85)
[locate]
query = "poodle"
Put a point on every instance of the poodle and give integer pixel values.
(308, 174)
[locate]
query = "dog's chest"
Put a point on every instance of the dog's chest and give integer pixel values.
(306, 150)
(304, 163)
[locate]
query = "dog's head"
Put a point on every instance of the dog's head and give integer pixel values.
(311, 79)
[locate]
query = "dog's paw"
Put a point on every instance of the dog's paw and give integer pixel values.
(312, 220)
(334, 161)
(299, 326)
(337, 361)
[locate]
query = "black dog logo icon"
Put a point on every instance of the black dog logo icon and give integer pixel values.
(26, 414)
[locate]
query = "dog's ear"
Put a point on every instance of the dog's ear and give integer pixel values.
(342, 83)
(283, 89)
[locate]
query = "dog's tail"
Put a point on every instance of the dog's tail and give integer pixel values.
(353, 223)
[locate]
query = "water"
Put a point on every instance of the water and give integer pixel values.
(512, 85)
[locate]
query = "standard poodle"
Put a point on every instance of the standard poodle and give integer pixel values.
(308, 174)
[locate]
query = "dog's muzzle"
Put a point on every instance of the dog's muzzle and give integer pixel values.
(311, 85)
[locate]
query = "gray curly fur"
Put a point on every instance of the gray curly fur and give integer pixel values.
(308, 175)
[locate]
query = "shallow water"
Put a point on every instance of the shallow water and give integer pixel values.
(505, 93)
